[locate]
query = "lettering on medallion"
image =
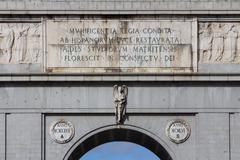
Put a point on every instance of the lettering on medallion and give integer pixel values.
(62, 131)
(178, 131)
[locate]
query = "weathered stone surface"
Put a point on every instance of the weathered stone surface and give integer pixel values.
(123, 7)
(219, 42)
(178, 131)
(235, 132)
(23, 138)
(2, 137)
(87, 124)
(211, 108)
(20, 43)
(141, 46)
(213, 136)
(62, 131)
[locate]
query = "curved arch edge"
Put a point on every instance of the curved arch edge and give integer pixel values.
(142, 137)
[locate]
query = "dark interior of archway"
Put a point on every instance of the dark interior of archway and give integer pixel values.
(120, 135)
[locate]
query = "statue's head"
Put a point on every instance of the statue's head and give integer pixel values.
(120, 90)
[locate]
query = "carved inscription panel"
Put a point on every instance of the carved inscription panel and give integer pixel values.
(20, 43)
(119, 46)
(219, 42)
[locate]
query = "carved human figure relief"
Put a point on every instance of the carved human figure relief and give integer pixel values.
(120, 93)
(6, 45)
(221, 44)
(230, 45)
(20, 43)
(34, 44)
(218, 42)
(205, 45)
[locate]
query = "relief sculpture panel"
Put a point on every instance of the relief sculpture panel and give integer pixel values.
(219, 42)
(20, 43)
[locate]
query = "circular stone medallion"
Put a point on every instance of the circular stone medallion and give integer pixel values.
(62, 131)
(178, 131)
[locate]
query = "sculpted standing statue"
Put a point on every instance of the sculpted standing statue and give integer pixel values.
(120, 99)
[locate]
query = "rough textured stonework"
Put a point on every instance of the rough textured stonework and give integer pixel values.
(219, 42)
(20, 43)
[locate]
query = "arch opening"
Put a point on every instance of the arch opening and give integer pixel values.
(119, 150)
(119, 134)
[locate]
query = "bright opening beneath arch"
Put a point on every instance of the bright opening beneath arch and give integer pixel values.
(119, 150)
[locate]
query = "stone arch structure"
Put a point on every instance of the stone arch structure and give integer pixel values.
(120, 133)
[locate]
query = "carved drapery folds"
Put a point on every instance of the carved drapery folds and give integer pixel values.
(20, 43)
(120, 93)
(219, 42)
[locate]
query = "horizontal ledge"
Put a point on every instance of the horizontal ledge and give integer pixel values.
(110, 111)
(119, 12)
(122, 77)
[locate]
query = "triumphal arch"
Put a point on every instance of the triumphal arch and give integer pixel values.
(76, 74)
